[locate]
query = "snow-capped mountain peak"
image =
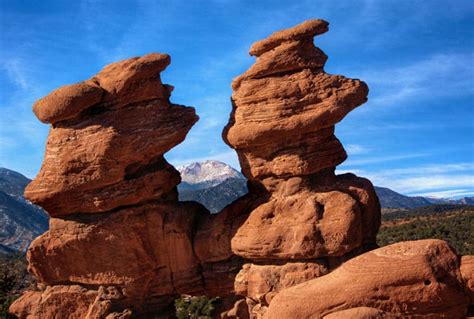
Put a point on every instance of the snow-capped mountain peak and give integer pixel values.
(209, 172)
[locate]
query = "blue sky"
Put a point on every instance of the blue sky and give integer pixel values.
(415, 135)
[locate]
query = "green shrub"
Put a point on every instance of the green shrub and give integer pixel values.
(193, 307)
(456, 226)
(14, 279)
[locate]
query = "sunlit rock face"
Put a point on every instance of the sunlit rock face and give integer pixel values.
(107, 139)
(285, 107)
(116, 223)
(397, 281)
(121, 245)
(299, 219)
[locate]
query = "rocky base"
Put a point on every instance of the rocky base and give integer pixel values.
(408, 279)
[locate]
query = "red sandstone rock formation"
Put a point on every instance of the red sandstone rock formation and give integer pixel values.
(403, 280)
(72, 302)
(306, 219)
(467, 273)
(107, 140)
(116, 224)
(286, 106)
(120, 245)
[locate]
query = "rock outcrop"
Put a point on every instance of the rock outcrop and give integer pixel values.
(116, 223)
(107, 140)
(286, 106)
(306, 220)
(467, 273)
(404, 280)
(121, 245)
(73, 302)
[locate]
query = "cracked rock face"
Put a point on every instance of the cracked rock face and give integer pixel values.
(285, 108)
(107, 139)
(147, 250)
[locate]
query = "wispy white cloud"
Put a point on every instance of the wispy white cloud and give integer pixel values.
(411, 126)
(432, 169)
(359, 172)
(439, 75)
(356, 149)
(112, 35)
(433, 182)
(454, 193)
(17, 72)
(423, 179)
(19, 128)
(383, 159)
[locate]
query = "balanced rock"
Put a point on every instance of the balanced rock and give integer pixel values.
(405, 280)
(304, 219)
(115, 217)
(282, 127)
(283, 118)
(121, 245)
(107, 140)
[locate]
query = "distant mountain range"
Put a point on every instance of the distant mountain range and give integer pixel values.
(215, 184)
(212, 183)
(20, 220)
(207, 174)
(392, 199)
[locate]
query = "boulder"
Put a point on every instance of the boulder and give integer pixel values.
(108, 136)
(407, 279)
(304, 225)
(262, 282)
(55, 302)
(467, 273)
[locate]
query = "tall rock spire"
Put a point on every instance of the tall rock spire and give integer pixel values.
(285, 107)
(299, 220)
(119, 240)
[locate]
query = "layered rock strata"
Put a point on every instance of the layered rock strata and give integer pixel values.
(116, 223)
(120, 245)
(300, 220)
(308, 221)
(107, 139)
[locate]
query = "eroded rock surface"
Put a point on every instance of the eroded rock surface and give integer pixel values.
(467, 273)
(120, 245)
(285, 108)
(147, 250)
(72, 301)
(55, 302)
(115, 218)
(107, 139)
(407, 279)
